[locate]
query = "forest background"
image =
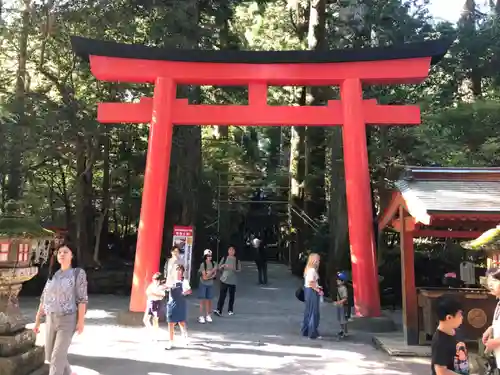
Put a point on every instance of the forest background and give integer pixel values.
(71, 172)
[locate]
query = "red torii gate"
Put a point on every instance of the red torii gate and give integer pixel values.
(408, 63)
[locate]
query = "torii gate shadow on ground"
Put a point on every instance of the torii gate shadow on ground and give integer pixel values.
(349, 69)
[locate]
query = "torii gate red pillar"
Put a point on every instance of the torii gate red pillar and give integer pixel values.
(349, 69)
(359, 199)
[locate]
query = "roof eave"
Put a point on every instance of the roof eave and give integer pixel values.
(435, 49)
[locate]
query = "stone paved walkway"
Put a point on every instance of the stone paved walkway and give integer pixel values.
(261, 338)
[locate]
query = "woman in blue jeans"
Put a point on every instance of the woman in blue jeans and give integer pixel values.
(207, 271)
(312, 294)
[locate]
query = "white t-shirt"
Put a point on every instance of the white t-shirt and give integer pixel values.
(185, 286)
(310, 276)
(171, 270)
(155, 292)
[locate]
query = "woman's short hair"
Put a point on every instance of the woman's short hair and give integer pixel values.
(54, 265)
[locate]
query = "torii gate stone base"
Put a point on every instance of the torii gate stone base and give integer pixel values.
(349, 69)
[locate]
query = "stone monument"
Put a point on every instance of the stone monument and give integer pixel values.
(18, 353)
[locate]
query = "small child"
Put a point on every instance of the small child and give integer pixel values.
(341, 303)
(155, 294)
(449, 354)
(177, 306)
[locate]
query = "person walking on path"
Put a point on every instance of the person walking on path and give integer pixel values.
(207, 272)
(260, 259)
(170, 274)
(64, 303)
(155, 294)
(312, 294)
(230, 266)
(169, 271)
(177, 306)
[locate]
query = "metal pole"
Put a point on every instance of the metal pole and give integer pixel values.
(218, 217)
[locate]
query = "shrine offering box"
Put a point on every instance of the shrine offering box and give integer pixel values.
(478, 308)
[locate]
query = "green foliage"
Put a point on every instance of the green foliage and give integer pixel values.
(75, 170)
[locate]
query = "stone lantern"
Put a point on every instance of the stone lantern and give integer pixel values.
(18, 234)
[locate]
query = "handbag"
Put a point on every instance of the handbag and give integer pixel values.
(299, 294)
(490, 366)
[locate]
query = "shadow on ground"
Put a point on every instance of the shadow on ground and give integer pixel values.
(262, 338)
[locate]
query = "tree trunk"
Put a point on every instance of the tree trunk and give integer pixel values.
(224, 15)
(106, 198)
(51, 204)
(89, 199)
(337, 216)
(471, 60)
(81, 220)
(297, 176)
(14, 187)
(186, 149)
(315, 147)
(222, 135)
(338, 256)
(98, 232)
(63, 194)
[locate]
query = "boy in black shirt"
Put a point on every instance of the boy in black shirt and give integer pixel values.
(449, 354)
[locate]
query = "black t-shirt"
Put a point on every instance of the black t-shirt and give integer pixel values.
(449, 351)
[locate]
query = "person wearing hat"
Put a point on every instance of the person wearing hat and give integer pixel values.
(207, 272)
(341, 302)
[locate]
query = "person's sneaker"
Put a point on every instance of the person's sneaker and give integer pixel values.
(208, 319)
(230, 313)
(316, 338)
(169, 345)
(341, 334)
(217, 312)
(201, 320)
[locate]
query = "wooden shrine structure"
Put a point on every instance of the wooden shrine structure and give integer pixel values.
(438, 202)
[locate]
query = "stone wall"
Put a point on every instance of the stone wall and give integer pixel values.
(101, 281)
